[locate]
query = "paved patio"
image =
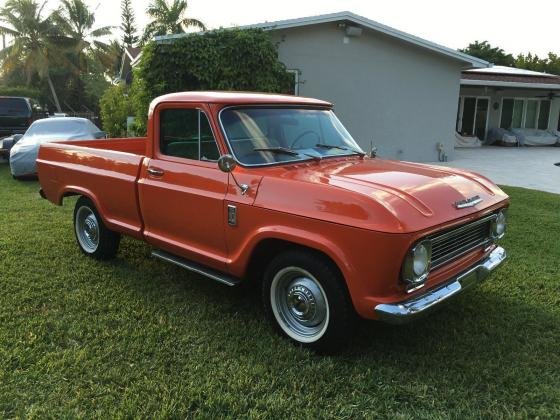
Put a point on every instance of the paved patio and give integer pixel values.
(525, 167)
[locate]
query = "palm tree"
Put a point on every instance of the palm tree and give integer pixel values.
(168, 19)
(110, 57)
(33, 42)
(76, 21)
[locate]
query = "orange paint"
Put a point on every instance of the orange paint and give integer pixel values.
(363, 213)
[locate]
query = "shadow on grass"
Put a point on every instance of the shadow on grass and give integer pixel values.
(477, 326)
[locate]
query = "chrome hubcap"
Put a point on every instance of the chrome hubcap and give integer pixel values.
(299, 304)
(87, 229)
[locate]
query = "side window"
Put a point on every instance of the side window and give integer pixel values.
(186, 133)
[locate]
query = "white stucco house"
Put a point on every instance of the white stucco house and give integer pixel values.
(391, 89)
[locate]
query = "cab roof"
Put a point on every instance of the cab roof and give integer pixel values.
(237, 98)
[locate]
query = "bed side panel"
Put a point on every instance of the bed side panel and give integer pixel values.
(135, 145)
(106, 176)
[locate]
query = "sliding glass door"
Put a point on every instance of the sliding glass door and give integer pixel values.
(473, 116)
(525, 113)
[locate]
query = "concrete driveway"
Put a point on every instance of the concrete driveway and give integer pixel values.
(527, 167)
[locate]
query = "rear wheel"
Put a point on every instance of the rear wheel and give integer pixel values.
(306, 299)
(93, 237)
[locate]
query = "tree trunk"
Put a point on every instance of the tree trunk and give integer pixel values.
(53, 93)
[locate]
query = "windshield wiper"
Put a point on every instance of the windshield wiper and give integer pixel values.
(285, 151)
(280, 150)
(334, 146)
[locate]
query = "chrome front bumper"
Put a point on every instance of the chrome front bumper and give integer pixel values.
(402, 312)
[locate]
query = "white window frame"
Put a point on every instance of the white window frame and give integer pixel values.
(459, 127)
(296, 80)
(525, 99)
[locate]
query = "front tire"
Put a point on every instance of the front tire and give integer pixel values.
(93, 237)
(306, 299)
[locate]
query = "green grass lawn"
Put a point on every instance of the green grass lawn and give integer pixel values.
(137, 337)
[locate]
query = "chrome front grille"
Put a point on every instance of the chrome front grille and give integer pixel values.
(459, 241)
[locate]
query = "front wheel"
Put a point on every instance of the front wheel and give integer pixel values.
(93, 237)
(305, 297)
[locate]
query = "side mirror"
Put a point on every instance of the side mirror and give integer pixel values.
(226, 163)
(17, 137)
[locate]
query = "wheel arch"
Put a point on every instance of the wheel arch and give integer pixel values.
(267, 247)
(73, 191)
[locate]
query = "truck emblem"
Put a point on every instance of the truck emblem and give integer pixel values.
(232, 215)
(468, 202)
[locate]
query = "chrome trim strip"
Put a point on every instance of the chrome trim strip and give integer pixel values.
(405, 311)
(196, 268)
(287, 162)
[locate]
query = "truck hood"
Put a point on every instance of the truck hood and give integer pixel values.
(379, 194)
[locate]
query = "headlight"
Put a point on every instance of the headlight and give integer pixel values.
(499, 225)
(417, 263)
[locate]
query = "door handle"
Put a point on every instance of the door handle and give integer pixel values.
(155, 172)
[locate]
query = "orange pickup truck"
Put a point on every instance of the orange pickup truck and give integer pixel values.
(273, 189)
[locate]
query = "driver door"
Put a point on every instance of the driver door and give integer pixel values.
(182, 190)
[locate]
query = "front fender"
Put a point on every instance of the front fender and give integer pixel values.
(295, 235)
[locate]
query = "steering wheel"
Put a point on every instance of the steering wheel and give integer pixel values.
(302, 135)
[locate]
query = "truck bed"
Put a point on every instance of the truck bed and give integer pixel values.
(134, 145)
(108, 167)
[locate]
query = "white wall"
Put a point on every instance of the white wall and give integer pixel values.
(400, 96)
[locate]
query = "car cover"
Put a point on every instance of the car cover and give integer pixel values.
(24, 153)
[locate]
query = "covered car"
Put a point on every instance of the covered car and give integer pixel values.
(7, 143)
(23, 155)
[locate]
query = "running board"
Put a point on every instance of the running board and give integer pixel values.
(197, 268)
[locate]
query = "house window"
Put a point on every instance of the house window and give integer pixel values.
(512, 113)
(295, 72)
(531, 113)
(544, 114)
(525, 113)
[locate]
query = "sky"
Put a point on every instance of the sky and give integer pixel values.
(516, 26)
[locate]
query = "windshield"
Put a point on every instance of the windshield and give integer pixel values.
(260, 136)
(14, 107)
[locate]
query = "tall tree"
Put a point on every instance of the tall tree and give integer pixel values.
(110, 57)
(168, 19)
(549, 64)
(34, 41)
(128, 26)
(77, 22)
(487, 52)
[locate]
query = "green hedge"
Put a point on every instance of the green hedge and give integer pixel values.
(225, 59)
(24, 91)
(115, 108)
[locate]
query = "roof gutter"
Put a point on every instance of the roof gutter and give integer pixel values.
(472, 62)
(497, 83)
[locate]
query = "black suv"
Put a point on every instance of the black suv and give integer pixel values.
(17, 114)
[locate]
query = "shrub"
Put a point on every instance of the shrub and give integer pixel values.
(225, 59)
(26, 92)
(115, 107)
